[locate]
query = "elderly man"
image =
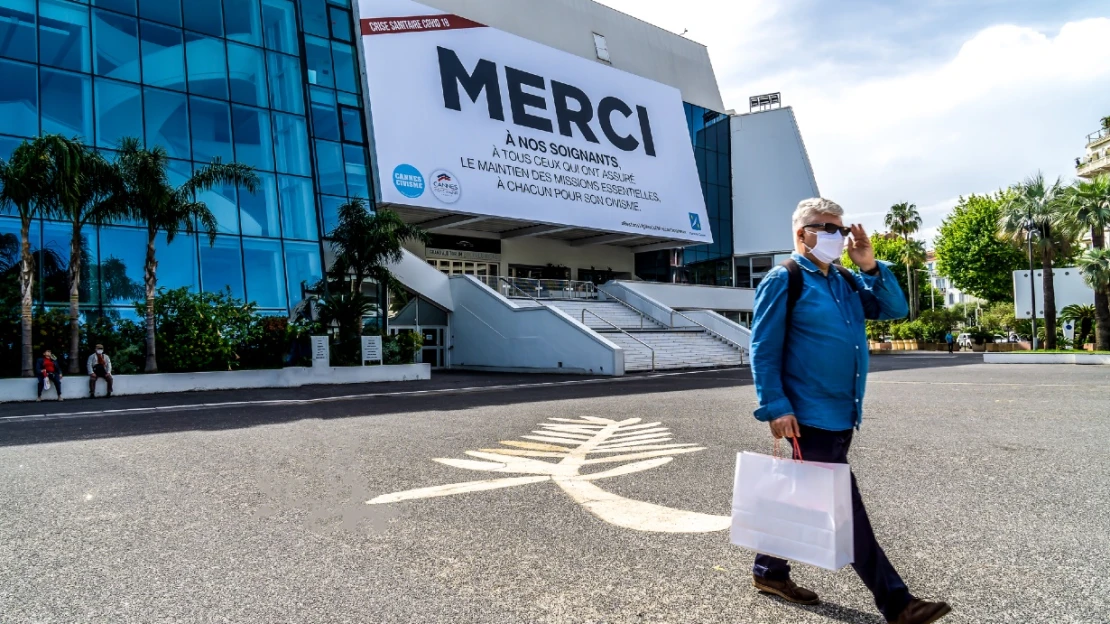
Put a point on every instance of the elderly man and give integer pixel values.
(809, 360)
(99, 366)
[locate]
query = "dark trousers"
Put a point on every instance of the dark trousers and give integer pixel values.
(55, 379)
(107, 377)
(891, 594)
(950, 345)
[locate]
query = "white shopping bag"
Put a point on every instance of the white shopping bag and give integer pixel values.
(801, 511)
(46, 383)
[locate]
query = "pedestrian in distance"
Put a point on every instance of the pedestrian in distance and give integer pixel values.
(951, 340)
(809, 359)
(99, 366)
(47, 369)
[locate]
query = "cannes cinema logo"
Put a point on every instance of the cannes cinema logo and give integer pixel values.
(566, 452)
(445, 186)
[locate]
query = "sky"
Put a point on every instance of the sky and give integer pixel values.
(918, 101)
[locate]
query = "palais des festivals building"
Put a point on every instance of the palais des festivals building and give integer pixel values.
(592, 203)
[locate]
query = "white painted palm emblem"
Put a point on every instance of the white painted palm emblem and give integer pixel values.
(580, 444)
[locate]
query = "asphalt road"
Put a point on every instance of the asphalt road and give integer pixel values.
(988, 486)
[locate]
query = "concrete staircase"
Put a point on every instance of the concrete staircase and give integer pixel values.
(674, 348)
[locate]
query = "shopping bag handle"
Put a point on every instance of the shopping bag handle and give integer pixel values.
(778, 449)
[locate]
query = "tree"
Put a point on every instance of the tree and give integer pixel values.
(1037, 207)
(1095, 267)
(365, 243)
(24, 180)
(970, 253)
(1084, 315)
(1088, 205)
(87, 189)
(151, 199)
(903, 220)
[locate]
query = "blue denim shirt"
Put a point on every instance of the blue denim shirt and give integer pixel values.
(820, 373)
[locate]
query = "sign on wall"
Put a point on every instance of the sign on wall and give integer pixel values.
(321, 351)
(372, 349)
(474, 120)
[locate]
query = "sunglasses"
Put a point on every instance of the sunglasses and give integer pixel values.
(831, 228)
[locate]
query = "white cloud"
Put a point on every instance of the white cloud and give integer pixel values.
(899, 124)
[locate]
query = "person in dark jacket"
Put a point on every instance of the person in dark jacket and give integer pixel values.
(46, 367)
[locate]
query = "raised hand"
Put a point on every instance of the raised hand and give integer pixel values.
(860, 250)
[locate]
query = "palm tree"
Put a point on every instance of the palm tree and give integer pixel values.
(88, 190)
(1088, 205)
(1036, 210)
(1084, 315)
(366, 242)
(903, 220)
(151, 199)
(1095, 267)
(24, 180)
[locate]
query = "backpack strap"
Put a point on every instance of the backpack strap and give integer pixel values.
(848, 277)
(793, 289)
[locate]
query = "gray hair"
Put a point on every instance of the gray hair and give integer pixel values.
(810, 209)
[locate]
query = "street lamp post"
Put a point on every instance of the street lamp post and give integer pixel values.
(1030, 228)
(932, 288)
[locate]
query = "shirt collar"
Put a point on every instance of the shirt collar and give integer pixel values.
(805, 263)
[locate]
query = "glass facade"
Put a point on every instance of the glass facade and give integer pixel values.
(270, 83)
(710, 132)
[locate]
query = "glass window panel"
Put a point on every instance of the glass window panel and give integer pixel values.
(19, 99)
(329, 168)
(243, 21)
(248, 75)
(17, 29)
(352, 125)
(341, 23)
(286, 92)
(258, 211)
(123, 6)
(116, 38)
(298, 211)
(55, 284)
(346, 70)
(167, 122)
(279, 24)
(325, 117)
(165, 11)
(179, 171)
(122, 256)
(211, 130)
(291, 144)
(348, 99)
(119, 112)
(354, 158)
(64, 35)
(66, 103)
(204, 16)
(265, 274)
(7, 146)
(302, 263)
(177, 262)
(253, 138)
(207, 66)
(223, 203)
(163, 56)
(221, 266)
(329, 212)
(314, 13)
(318, 59)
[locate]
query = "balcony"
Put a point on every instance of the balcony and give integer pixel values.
(1098, 138)
(1093, 165)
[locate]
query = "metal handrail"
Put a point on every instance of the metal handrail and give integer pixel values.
(579, 289)
(631, 307)
(718, 335)
(512, 285)
(584, 311)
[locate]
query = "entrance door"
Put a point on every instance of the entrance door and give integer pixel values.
(435, 346)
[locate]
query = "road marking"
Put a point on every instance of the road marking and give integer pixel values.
(968, 383)
(191, 407)
(639, 455)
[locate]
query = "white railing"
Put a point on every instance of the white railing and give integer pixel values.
(540, 288)
(649, 347)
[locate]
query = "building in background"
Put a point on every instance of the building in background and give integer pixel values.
(951, 295)
(1097, 159)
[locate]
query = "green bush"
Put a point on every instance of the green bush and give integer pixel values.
(200, 331)
(267, 343)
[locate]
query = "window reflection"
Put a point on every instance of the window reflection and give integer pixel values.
(166, 11)
(264, 276)
(285, 82)
(243, 22)
(318, 59)
(167, 122)
(259, 211)
(177, 262)
(207, 66)
(253, 138)
(211, 130)
(163, 56)
(329, 168)
(279, 23)
(221, 266)
(291, 144)
(204, 16)
(298, 210)
(346, 70)
(64, 35)
(66, 103)
(223, 202)
(248, 75)
(354, 159)
(302, 263)
(17, 29)
(19, 99)
(325, 117)
(119, 112)
(117, 46)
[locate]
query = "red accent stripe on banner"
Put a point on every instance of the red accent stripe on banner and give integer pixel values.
(416, 23)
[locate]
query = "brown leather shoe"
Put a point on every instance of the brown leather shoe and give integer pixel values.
(787, 590)
(923, 612)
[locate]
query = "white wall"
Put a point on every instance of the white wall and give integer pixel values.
(1067, 282)
(419, 276)
(691, 297)
(542, 251)
(492, 332)
(771, 173)
(635, 46)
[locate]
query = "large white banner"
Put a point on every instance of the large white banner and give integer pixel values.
(469, 119)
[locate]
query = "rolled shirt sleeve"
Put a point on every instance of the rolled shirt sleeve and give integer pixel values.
(882, 296)
(768, 334)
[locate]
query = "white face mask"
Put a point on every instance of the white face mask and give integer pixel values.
(828, 247)
(100, 351)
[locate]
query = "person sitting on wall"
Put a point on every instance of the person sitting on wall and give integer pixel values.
(46, 367)
(99, 366)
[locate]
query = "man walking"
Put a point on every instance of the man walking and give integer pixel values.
(809, 359)
(99, 366)
(951, 340)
